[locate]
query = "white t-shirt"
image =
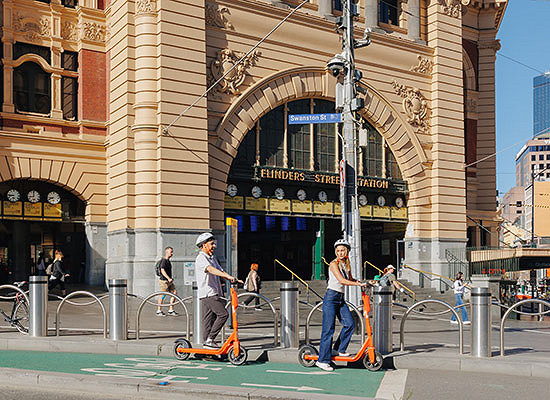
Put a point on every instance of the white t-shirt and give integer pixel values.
(459, 287)
(208, 284)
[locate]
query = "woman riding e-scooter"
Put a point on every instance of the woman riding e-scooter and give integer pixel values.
(334, 306)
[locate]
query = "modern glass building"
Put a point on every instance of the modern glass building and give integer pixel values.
(541, 104)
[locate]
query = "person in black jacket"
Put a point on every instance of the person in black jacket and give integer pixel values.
(58, 273)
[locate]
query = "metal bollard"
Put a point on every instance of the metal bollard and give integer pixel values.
(197, 316)
(290, 328)
(118, 309)
(382, 319)
(38, 324)
(481, 322)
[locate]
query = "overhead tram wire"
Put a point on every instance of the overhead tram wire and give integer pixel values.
(165, 129)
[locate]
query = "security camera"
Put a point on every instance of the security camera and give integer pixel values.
(336, 64)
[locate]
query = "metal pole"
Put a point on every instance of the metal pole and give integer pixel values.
(118, 309)
(290, 328)
(197, 316)
(533, 209)
(383, 320)
(481, 322)
(38, 287)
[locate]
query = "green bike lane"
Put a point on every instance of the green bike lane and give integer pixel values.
(260, 375)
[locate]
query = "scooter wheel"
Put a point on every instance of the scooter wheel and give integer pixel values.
(240, 359)
(309, 351)
(376, 365)
(182, 344)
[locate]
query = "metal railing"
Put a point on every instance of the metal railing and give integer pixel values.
(178, 299)
(410, 291)
(316, 307)
(17, 289)
(308, 289)
(442, 279)
(84, 293)
(440, 302)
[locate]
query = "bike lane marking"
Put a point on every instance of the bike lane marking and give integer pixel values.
(292, 377)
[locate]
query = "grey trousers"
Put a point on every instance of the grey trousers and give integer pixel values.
(214, 316)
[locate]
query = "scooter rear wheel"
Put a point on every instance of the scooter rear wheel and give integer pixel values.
(376, 365)
(240, 359)
(307, 350)
(182, 344)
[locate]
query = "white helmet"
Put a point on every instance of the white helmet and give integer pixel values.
(342, 242)
(203, 238)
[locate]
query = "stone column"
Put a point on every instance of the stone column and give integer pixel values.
(413, 20)
(57, 111)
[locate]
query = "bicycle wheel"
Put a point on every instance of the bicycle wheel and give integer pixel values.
(21, 317)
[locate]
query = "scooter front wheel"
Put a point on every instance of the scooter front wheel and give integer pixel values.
(240, 359)
(307, 350)
(182, 344)
(376, 365)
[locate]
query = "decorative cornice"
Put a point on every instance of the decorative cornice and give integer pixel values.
(93, 31)
(489, 44)
(69, 31)
(453, 8)
(144, 7)
(34, 29)
(216, 16)
(224, 61)
(415, 106)
(424, 67)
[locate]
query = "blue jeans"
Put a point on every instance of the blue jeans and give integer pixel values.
(334, 306)
(459, 301)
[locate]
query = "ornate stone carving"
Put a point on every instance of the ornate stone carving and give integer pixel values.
(453, 8)
(69, 31)
(490, 44)
(93, 31)
(224, 61)
(144, 7)
(470, 105)
(216, 16)
(32, 28)
(424, 66)
(415, 106)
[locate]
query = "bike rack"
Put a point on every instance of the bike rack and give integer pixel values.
(510, 309)
(13, 297)
(314, 308)
(273, 310)
(146, 300)
(443, 303)
(85, 293)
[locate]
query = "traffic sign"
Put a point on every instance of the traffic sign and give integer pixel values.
(294, 119)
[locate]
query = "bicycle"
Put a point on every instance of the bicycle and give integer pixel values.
(19, 316)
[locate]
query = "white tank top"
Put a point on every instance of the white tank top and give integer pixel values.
(333, 283)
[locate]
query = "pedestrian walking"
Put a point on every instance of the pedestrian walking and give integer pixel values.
(208, 272)
(389, 280)
(253, 285)
(59, 274)
(166, 282)
(41, 264)
(459, 289)
(334, 306)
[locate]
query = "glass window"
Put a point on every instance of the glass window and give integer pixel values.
(69, 97)
(541, 156)
(272, 138)
(325, 138)
(533, 157)
(392, 168)
(69, 60)
(372, 153)
(541, 166)
(299, 136)
(31, 89)
(337, 5)
(548, 156)
(20, 49)
(69, 3)
(389, 12)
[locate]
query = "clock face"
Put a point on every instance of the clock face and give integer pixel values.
(363, 200)
(323, 196)
(232, 190)
(256, 192)
(399, 202)
(33, 196)
(381, 201)
(54, 198)
(13, 195)
(301, 194)
(279, 193)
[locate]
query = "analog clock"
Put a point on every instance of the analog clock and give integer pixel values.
(399, 202)
(13, 195)
(301, 194)
(232, 190)
(54, 198)
(323, 196)
(363, 200)
(381, 201)
(33, 196)
(256, 192)
(279, 193)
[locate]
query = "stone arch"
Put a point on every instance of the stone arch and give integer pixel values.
(292, 84)
(469, 72)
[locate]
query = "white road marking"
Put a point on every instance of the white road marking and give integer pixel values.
(303, 373)
(392, 385)
(298, 388)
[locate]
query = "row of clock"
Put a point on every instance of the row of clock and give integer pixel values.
(301, 194)
(33, 196)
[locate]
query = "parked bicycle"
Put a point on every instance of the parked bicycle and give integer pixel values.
(19, 316)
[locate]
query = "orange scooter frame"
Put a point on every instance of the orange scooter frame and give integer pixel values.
(372, 360)
(236, 354)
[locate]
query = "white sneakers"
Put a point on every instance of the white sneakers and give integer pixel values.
(340, 354)
(456, 322)
(210, 344)
(324, 366)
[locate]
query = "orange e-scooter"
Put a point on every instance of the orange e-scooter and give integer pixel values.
(236, 354)
(372, 360)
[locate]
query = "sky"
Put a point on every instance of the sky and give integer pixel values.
(524, 36)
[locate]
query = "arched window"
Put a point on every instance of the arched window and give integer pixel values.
(31, 89)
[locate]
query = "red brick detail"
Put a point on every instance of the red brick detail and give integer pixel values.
(92, 86)
(102, 3)
(18, 124)
(94, 131)
(471, 140)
